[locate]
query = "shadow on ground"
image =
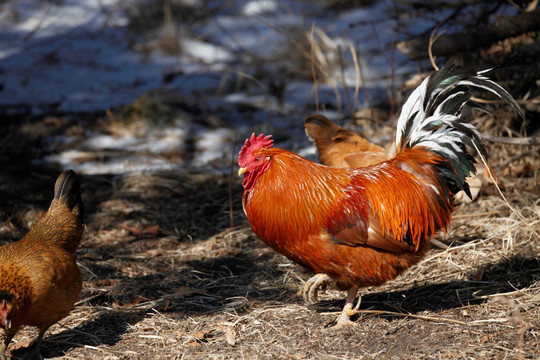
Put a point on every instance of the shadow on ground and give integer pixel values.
(105, 328)
(509, 275)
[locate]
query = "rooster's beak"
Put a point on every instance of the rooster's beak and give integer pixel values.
(242, 171)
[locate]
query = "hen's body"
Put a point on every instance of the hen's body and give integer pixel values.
(39, 278)
(340, 147)
(364, 226)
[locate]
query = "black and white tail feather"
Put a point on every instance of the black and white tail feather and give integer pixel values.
(432, 117)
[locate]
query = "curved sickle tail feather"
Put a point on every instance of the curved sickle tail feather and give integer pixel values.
(431, 118)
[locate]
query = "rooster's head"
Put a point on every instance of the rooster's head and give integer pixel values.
(252, 160)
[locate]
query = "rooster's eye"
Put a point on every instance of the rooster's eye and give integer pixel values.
(257, 159)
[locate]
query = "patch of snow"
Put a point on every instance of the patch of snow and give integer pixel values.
(259, 7)
(205, 52)
(78, 56)
(117, 165)
(212, 145)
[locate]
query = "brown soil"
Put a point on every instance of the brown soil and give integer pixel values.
(172, 270)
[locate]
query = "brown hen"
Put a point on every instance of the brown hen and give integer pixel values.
(340, 147)
(39, 278)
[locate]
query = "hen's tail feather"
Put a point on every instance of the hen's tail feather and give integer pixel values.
(319, 129)
(431, 118)
(314, 121)
(67, 190)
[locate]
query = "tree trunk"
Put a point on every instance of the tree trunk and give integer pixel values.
(474, 38)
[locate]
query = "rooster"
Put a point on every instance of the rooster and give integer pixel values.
(358, 227)
(39, 278)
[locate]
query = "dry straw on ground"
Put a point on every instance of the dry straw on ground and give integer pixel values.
(167, 277)
(172, 270)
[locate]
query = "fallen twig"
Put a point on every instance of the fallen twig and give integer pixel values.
(533, 140)
(421, 317)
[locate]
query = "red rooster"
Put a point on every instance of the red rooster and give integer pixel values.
(364, 226)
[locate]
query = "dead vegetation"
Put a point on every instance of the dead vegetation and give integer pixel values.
(166, 276)
(172, 270)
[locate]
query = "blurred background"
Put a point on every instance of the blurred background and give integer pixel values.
(110, 87)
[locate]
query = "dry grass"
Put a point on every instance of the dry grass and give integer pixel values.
(172, 270)
(167, 277)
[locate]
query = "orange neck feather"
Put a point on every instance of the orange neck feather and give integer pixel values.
(294, 199)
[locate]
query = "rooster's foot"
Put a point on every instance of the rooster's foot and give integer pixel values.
(348, 310)
(312, 286)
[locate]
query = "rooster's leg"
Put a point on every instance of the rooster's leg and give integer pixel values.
(344, 318)
(312, 287)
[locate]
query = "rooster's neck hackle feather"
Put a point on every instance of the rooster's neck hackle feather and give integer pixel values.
(275, 198)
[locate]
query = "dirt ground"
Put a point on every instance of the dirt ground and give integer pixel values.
(172, 270)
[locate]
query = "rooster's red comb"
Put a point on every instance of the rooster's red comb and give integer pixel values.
(253, 143)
